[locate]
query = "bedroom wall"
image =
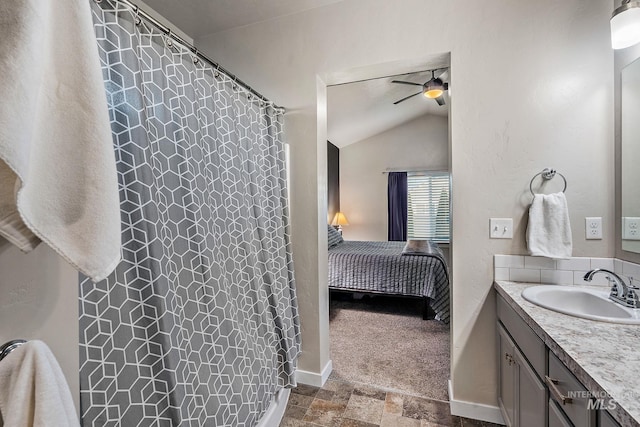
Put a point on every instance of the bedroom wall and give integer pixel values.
(422, 143)
(532, 87)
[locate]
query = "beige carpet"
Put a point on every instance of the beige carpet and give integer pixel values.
(383, 342)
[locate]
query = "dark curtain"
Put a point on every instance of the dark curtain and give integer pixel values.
(397, 206)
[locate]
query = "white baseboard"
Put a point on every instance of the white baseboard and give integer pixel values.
(476, 411)
(312, 378)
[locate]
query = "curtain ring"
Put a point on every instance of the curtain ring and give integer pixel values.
(138, 20)
(195, 56)
(169, 41)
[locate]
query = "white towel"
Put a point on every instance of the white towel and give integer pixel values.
(549, 230)
(58, 179)
(33, 390)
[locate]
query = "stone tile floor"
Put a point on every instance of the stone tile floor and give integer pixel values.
(342, 404)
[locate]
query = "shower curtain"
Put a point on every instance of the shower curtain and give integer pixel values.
(198, 325)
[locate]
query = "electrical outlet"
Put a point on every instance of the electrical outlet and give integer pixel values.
(630, 228)
(593, 227)
(501, 228)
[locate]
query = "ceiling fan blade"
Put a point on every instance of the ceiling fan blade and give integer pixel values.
(440, 100)
(405, 98)
(406, 83)
(444, 75)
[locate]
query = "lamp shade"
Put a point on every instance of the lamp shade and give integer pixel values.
(625, 25)
(339, 219)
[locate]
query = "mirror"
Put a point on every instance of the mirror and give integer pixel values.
(630, 156)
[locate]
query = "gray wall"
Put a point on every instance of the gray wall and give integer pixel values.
(39, 300)
(532, 87)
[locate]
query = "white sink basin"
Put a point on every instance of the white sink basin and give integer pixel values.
(582, 302)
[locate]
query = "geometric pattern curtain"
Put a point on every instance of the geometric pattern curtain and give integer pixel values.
(198, 325)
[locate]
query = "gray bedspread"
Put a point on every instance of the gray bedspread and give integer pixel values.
(381, 267)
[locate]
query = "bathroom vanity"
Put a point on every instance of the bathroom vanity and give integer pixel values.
(557, 370)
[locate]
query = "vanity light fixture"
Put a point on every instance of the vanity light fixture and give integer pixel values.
(625, 25)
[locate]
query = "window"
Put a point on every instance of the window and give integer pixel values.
(428, 206)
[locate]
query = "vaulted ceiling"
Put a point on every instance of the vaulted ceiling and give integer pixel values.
(360, 110)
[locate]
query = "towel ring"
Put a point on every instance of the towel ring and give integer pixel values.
(547, 174)
(8, 347)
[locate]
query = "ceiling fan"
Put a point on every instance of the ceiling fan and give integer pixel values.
(433, 88)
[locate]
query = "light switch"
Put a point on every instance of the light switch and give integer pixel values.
(501, 228)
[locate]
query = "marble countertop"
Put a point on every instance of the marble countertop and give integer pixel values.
(605, 357)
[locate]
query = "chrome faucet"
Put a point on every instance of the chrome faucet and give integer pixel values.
(620, 292)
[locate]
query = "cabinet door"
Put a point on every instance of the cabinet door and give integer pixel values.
(506, 383)
(607, 420)
(556, 416)
(531, 394)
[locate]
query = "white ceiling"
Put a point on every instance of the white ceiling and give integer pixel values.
(360, 110)
(201, 17)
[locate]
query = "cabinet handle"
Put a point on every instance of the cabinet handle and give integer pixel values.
(556, 392)
(509, 358)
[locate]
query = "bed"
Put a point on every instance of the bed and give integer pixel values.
(381, 267)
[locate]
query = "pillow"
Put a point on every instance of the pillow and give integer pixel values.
(416, 247)
(334, 236)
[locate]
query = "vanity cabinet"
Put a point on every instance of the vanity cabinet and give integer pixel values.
(522, 394)
(535, 388)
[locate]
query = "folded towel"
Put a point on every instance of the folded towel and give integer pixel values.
(33, 390)
(549, 231)
(57, 164)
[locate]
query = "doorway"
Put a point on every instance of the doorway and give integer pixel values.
(377, 339)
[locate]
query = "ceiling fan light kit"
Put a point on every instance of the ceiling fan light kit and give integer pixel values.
(625, 25)
(434, 88)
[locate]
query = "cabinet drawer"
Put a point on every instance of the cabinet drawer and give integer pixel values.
(529, 343)
(563, 384)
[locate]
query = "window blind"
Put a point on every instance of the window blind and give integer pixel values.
(428, 206)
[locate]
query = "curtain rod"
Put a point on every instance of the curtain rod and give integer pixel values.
(167, 31)
(413, 170)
